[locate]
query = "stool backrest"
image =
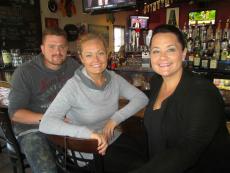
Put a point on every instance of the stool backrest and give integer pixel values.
(76, 154)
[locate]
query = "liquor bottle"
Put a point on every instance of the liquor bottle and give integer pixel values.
(190, 48)
(217, 49)
(218, 31)
(227, 32)
(196, 37)
(203, 33)
(210, 31)
(5, 54)
(228, 58)
(203, 41)
(197, 44)
(114, 62)
(213, 63)
(190, 60)
(227, 29)
(190, 40)
(196, 31)
(210, 40)
(224, 41)
(1, 62)
(224, 54)
(205, 61)
(185, 31)
(196, 61)
(162, 3)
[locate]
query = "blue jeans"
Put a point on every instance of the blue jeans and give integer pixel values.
(38, 153)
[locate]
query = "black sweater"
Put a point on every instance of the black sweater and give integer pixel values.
(192, 133)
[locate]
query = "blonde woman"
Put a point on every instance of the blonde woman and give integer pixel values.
(90, 101)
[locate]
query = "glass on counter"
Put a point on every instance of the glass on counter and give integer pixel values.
(140, 81)
(16, 57)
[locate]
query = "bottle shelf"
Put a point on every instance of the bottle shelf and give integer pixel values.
(134, 69)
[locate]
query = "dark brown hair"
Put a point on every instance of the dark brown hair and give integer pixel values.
(53, 31)
(165, 28)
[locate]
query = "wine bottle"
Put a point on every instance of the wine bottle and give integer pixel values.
(218, 31)
(203, 33)
(205, 61)
(197, 41)
(5, 54)
(190, 40)
(196, 61)
(210, 42)
(217, 49)
(185, 31)
(224, 41)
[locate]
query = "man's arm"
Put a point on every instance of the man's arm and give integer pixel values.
(26, 116)
(19, 98)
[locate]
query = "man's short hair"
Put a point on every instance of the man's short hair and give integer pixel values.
(53, 31)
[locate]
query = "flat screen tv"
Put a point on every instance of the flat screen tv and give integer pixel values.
(139, 21)
(106, 6)
(204, 16)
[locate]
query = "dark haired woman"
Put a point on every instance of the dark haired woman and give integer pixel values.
(185, 119)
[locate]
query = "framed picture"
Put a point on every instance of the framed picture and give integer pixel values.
(172, 16)
(51, 23)
(99, 29)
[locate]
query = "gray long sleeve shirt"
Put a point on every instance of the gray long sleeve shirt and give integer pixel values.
(89, 107)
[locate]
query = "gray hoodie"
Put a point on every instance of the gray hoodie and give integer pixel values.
(34, 87)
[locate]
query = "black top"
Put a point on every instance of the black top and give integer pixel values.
(153, 122)
(193, 134)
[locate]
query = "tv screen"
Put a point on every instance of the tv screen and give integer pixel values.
(202, 17)
(105, 6)
(139, 22)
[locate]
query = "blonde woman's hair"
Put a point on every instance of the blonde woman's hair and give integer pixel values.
(89, 36)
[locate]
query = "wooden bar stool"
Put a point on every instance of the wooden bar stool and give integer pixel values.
(70, 154)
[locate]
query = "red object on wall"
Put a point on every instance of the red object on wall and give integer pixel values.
(51, 22)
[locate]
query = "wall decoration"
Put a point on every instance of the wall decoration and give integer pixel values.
(83, 28)
(72, 32)
(52, 5)
(51, 23)
(67, 8)
(99, 29)
(172, 16)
